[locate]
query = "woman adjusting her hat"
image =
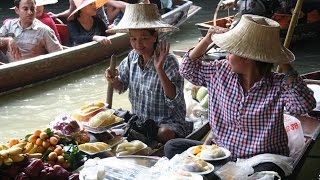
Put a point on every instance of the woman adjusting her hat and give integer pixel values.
(84, 27)
(247, 99)
(151, 74)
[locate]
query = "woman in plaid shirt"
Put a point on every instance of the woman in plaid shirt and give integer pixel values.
(246, 99)
(151, 74)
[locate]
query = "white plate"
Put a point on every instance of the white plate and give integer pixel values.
(226, 152)
(202, 172)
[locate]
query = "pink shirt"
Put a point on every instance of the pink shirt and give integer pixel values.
(47, 20)
(248, 123)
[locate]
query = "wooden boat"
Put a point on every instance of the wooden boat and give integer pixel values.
(19, 74)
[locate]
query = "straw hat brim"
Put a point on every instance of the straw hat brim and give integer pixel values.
(250, 39)
(99, 3)
(142, 16)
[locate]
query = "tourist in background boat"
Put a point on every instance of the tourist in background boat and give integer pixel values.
(44, 17)
(26, 36)
(151, 74)
(73, 4)
(84, 27)
(246, 99)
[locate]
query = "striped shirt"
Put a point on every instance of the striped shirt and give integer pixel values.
(38, 39)
(248, 123)
(147, 96)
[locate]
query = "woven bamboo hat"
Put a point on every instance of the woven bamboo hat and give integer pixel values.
(84, 3)
(141, 16)
(257, 38)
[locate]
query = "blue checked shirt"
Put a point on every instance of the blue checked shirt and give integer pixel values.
(248, 123)
(147, 96)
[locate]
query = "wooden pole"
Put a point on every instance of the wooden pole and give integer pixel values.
(293, 23)
(110, 85)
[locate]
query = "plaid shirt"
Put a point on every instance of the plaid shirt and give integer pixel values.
(248, 123)
(147, 96)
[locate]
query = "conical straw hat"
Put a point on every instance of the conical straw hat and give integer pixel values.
(81, 4)
(257, 38)
(141, 16)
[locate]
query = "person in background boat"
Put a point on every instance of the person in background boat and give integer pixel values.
(264, 8)
(73, 4)
(151, 74)
(246, 99)
(164, 6)
(84, 27)
(26, 36)
(114, 10)
(44, 17)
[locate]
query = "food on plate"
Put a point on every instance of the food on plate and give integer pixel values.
(85, 112)
(128, 148)
(104, 118)
(208, 152)
(93, 148)
(193, 164)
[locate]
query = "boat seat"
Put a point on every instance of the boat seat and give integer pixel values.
(63, 32)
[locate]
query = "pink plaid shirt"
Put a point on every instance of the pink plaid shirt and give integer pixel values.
(248, 123)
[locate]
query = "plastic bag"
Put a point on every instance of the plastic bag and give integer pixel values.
(296, 139)
(233, 171)
(264, 175)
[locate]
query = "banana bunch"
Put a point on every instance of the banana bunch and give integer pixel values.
(10, 155)
(30, 148)
(88, 108)
(93, 148)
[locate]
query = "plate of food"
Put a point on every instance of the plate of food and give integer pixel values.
(209, 152)
(102, 121)
(195, 165)
(94, 148)
(128, 148)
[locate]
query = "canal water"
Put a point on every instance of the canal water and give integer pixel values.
(32, 108)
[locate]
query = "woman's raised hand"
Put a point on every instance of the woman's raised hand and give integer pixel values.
(109, 76)
(160, 54)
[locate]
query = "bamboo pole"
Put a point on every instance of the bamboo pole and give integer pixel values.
(110, 85)
(293, 23)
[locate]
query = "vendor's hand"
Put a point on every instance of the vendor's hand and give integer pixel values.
(102, 40)
(225, 4)
(109, 76)
(14, 49)
(160, 55)
(214, 30)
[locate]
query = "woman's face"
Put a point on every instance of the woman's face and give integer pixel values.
(39, 11)
(237, 63)
(90, 9)
(143, 41)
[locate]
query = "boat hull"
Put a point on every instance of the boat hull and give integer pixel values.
(16, 75)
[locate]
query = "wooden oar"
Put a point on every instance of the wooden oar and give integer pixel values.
(110, 85)
(293, 23)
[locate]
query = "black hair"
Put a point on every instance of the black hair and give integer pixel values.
(152, 31)
(17, 3)
(264, 67)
